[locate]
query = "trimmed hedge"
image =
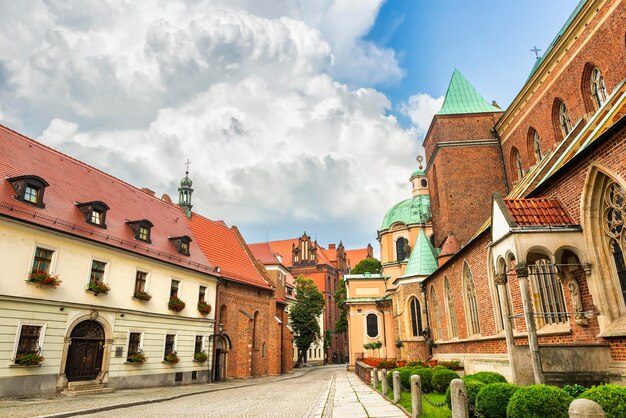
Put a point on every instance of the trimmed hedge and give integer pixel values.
(473, 389)
(612, 399)
(439, 367)
(574, 390)
(539, 401)
(442, 378)
(390, 375)
(487, 377)
(492, 399)
(426, 375)
(405, 377)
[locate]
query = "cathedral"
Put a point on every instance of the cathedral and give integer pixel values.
(510, 254)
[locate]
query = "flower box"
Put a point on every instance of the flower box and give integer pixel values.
(204, 308)
(137, 358)
(98, 287)
(43, 278)
(200, 357)
(172, 358)
(141, 295)
(31, 359)
(175, 304)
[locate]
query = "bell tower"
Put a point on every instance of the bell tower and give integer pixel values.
(185, 191)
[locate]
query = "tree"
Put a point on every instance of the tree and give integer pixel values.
(304, 315)
(341, 325)
(368, 265)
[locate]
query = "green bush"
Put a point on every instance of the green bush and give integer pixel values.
(390, 375)
(439, 367)
(611, 398)
(426, 375)
(442, 378)
(487, 377)
(492, 399)
(452, 365)
(417, 363)
(539, 401)
(405, 377)
(574, 390)
(473, 388)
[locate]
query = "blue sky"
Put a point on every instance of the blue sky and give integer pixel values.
(489, 41)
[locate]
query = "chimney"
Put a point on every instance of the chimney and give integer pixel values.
(147, 191)
(331, 246)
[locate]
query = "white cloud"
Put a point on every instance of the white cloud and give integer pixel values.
(248, 91)
(421, 108)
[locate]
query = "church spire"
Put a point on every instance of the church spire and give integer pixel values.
(185, 191)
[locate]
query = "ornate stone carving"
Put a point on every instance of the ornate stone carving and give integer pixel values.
(577, 301)
(501, 279)
(522, 271)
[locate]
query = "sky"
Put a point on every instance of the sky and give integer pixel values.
(297, 115)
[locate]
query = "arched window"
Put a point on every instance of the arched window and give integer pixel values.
(401, 247)
(254, 329)
(598, 90)
(416, 317)
(547, 293)
(371, 321)
(516, 163)
(453, 327)
(564, 120)
(435, 315)
(470, 301)
(614, 225)
(534, 145)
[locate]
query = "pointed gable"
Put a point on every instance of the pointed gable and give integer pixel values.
(423, 259)
(462, 97)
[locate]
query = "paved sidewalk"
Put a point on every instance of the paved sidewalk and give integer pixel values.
(348, 396)
(59, 405)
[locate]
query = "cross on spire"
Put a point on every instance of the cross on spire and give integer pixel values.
(187, 164)
(536, 51)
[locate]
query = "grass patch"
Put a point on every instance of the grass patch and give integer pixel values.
(428, 410)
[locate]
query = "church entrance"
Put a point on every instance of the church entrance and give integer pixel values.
(221, 360)
(86, 349)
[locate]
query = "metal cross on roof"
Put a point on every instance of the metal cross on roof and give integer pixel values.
(187, 164)
(536, 51)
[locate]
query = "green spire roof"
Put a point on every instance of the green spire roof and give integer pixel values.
(410, 211)
(423, 259)
(462, 97)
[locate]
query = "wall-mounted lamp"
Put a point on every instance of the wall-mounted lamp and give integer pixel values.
(62, 308)
(123, 315)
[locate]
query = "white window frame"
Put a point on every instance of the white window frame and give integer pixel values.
(165, 334)
(42, 335)
(204, 338)
(148, 275)
(136, 331)
(180, 286)
(105, 277)
(365, 315)
(53, 262)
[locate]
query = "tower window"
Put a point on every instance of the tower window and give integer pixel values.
(141, 229)
(402, 248)
(181, 244)
(424, 182)
(372, 325)
(416, 317)
(29, 189)
(94, 212)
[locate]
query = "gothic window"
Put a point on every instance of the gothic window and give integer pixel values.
(371, 321)
(598, 90)
(564, 120)
(534, 144)
(416, 317)
(613, 214)
(401, 245)
(453, 327)
(547, 293)
(254, 329)
(435, 314)
(471, 303)
(516, 163)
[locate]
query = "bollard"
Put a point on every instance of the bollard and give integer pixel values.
(458, 395)
(383, 382)
(396, 386)
(585, 408)
(416, 396)
(375, 378)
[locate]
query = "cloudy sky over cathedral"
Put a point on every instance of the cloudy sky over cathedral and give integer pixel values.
(297, 115)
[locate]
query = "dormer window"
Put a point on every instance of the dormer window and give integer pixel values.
(181, 244)
(94, 212)
(141, 229)
(29, 189)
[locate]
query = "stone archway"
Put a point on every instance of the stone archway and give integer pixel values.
(85, 352)
(223, 347)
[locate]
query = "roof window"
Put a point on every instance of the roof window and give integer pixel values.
(29, 189)
(141, 229)
(181, 244)
(94, 212)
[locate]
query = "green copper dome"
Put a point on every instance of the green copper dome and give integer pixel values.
(186, 182)
(409, 211)
(417, 173)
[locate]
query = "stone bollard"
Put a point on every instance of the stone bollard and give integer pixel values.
(396, 386)
(375, 378)
(458, 395)
(416, 396)
(383, 382)
(585, 408)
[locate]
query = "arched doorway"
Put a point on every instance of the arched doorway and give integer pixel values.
(221, 359)
(85, 352)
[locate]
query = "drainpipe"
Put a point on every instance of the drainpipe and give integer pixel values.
(423, 289)
(216, 325)
(506, 180)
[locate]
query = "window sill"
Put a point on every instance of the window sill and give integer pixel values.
(19, 366)
(617, 328)
(548, 331)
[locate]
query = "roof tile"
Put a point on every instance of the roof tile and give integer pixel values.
(538, 212)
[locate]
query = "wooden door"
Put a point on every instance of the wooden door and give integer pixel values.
(85, 353)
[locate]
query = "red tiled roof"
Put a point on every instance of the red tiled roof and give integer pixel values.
(354, 257)
(224, 249)
(71, 181)
(263, 252)
(538, 212)
(450, 246)
(283, 248)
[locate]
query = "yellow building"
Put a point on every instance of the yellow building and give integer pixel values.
(101, 284)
